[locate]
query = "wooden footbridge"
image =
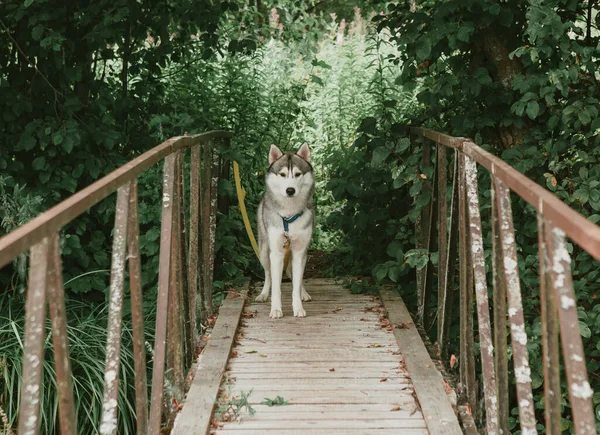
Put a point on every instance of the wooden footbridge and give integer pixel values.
(356, 364)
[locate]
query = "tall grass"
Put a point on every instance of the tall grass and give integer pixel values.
(87, 341)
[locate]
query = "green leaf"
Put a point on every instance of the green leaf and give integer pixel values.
(403, 145)
(38, 163)
(584, 329)
(28, 3)
(533, 108)
(584, 117)
(278, 401)
(316, 79)
(394, 273)
(57, 138)
(423, 48)
(394, 249)
(67, 144)
(37, 32)
(464, 33)
(379, 156)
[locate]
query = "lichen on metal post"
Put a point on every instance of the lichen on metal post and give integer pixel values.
(443, 248)
(195, 296)
(550, 329)
(62, 362)
(422, 231)
(580, 391)
(137, 312)
(483, 309)
(108, 423)
(467, 365)
(515, 309)
(499, 306)
(33, 348)
(164, 277)
(174, 317)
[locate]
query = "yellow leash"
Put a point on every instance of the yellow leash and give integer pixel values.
(241, 194)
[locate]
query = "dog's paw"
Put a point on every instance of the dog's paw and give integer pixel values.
(305, 296)
(276, 314)
(262, 297)
(300, 312)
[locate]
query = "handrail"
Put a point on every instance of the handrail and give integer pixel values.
(178, 281)
(557, 297)
(16, 242)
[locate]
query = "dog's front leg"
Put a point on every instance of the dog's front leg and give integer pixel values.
(276, 258)
(298, 265)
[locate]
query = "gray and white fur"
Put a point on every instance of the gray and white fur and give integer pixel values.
(290, 188)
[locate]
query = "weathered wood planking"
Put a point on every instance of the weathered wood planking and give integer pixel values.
(427, 380)
(196, 414)
(338, 369)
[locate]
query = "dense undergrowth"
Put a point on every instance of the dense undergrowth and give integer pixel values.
(286, 73)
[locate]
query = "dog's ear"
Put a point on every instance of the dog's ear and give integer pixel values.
(274, 154)
(304, 152)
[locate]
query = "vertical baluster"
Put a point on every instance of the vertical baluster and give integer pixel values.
(137, 311)
(209, 224)
(451, 260)
(515, 308)
(423, 231)
(206, 282)
(500, 340)
(33, 350)
(174, 318)
(60, 340)
(188, 310)
(467, 345)
(580, 391)
(481, 295)
(115, 322)
(443, 249)
(164, 278)
(550, 348)
(194, 266)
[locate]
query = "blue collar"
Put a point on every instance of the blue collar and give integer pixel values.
(287, 221)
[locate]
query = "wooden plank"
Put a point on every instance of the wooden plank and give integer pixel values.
(232, 430)
(319, 414)
(309, 382)
(250, 424)
(428, 382)
(201, 398)
(357, 410)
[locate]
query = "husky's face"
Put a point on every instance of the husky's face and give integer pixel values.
(290, 175)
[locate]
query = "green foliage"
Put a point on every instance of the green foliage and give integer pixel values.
(86, 331)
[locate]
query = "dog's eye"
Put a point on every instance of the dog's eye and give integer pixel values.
(281, 174)
(297, 174)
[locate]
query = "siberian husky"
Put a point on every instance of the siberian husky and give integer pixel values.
(286, 221)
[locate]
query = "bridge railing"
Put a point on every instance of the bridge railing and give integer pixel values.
(452, 226)
(186, 260)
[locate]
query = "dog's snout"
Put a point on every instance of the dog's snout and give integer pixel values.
(290, 191)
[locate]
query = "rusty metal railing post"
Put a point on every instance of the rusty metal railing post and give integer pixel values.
(209, 220)
(580, 391)
(481, 296)
(164, 278)
(467, 345)
(550, 328)
(194, 266)
(189, 311)
(33, 349)
(175, 335)
(423, 233)
(108, 424)
(137, 312)
(60, 340)
(515, 308)
(499, 302)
